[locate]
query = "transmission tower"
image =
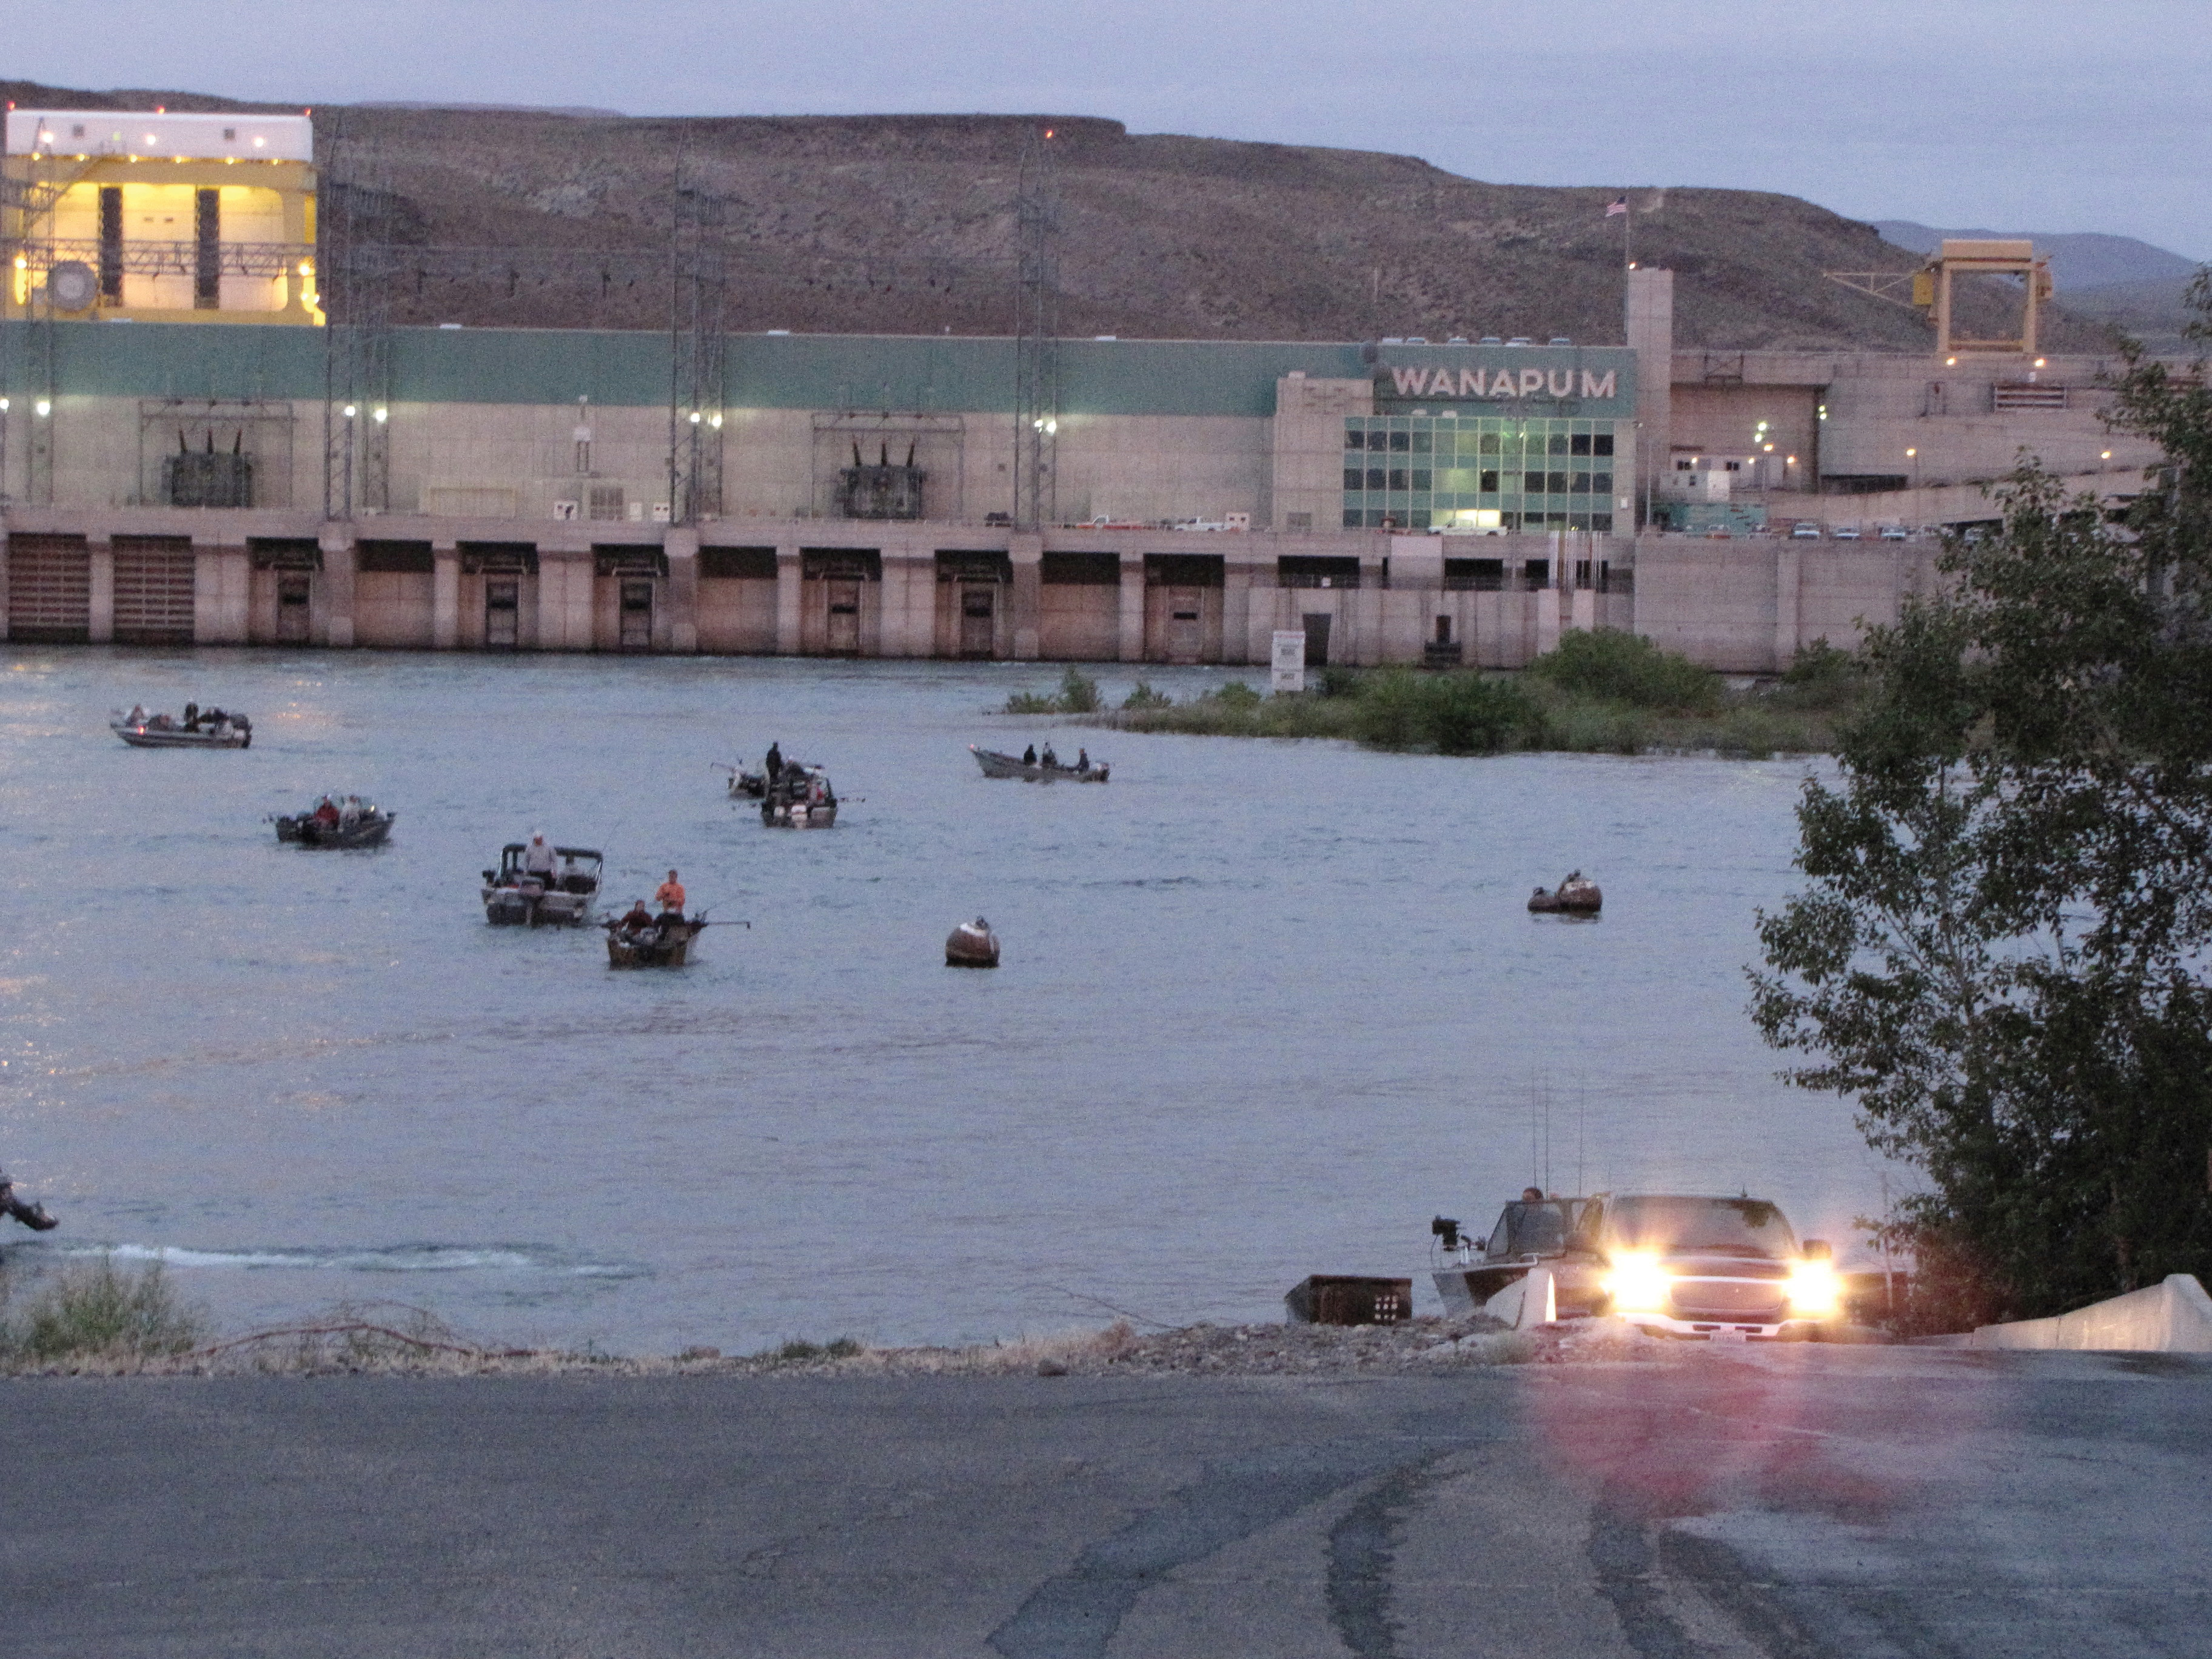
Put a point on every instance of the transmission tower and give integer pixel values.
(33, 250)
(355, 275)
(696, 351)
(1036, 333)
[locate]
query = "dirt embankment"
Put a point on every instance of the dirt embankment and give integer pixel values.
(905, 224)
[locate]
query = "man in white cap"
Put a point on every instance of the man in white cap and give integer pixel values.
(537, 858)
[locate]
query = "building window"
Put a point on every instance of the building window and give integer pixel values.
(1352, 477)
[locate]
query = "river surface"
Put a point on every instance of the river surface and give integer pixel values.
(1264, 1007)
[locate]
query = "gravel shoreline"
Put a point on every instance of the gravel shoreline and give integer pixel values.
(1420, 1346)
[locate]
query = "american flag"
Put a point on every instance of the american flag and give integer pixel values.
(1618, 204)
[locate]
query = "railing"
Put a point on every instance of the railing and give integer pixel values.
(177, 258)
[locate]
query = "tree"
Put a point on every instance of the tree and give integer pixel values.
(2004, 950)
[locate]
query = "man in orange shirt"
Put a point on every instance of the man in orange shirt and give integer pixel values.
(669, 895)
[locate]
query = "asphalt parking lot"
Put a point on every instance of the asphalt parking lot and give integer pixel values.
(1792, 1501)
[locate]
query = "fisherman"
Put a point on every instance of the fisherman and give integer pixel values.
(1050, 758)
(637, 918)
(774, 763)
(136, 716)
(350, 814)
(1083, 760)
(327, 813)
(191, 717)
(669, 895)
(537, 858)
(32, 1216)
(1028, 756)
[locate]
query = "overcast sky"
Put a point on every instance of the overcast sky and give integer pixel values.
(2048, 115)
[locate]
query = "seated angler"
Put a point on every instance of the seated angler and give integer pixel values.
(1028, 756)
(1049, 758)
(637, 918)
(327, 813)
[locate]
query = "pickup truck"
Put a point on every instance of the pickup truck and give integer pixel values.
(1677, 1265)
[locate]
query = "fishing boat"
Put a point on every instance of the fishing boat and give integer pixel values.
(515, 897)
(215, 729)
(1578, 896)
(972, 944)
(744, 785)
(801, 798)
(996, 765)
(661, 944)
(346, 822)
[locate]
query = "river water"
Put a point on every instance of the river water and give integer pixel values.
(1265, 1008)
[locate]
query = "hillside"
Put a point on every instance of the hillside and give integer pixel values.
(905, 224)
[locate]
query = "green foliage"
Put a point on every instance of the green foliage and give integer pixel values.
(2001, 954)
(1821, 678)
(1144, 697)
(97, 1311)
(1235, 695)
(1077, 694)
(799, 1353)
(1336, 681)
(1617, 667)
(1453, 714)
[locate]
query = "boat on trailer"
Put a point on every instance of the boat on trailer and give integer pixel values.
(996, 765)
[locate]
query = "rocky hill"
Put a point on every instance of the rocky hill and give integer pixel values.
(905, 224)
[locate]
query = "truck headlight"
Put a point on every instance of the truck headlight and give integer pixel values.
(1636, 1282)
(1815, 1292)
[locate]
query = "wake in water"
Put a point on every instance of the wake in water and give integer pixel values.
(389, 1258)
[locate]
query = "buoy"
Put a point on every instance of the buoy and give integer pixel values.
(972, 944)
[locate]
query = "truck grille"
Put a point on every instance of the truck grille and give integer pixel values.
(1724, 1298)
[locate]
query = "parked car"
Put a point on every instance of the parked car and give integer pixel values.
(1804, 531)
(1894, 532)
(1845, 532)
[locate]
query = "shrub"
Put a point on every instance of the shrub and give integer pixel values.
(1144, 697)
(1460, 714)
(1628, 668)
(1820, 677)
(799, 1353)
(1336, 681)
(1236, 695)
(1077, 694)
(1474, 714)
(97, 1308)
